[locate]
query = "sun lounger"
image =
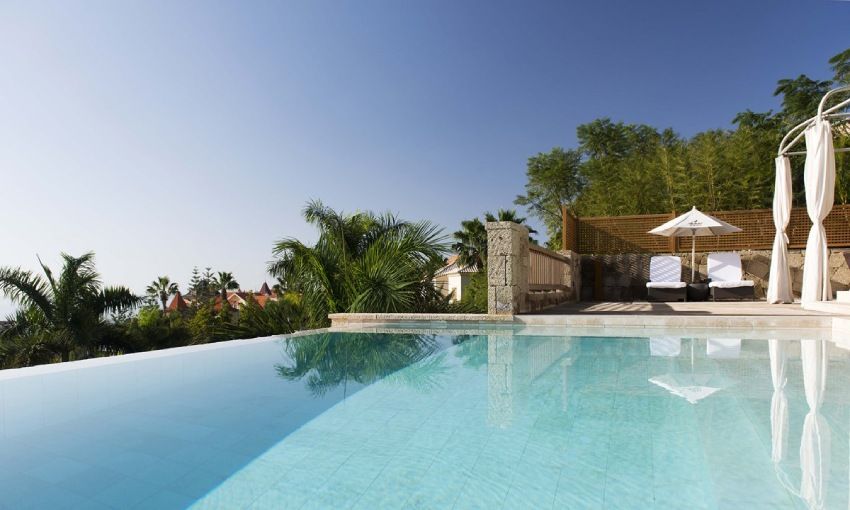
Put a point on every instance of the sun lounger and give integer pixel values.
(665, 279)
(726, 278)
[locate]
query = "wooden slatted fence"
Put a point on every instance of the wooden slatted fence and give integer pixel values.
(547, 269)
(628, 234)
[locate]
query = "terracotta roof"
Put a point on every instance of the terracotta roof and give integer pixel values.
(264, 290)
(177, 303)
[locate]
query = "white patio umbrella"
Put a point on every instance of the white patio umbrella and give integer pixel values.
(694, 223)
(819, 177)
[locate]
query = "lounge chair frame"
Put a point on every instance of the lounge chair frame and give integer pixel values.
(733, 293)
(666, 294)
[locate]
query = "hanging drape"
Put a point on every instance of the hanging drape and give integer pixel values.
(820, 192)
(779, 284)
(814, 445)
(777, 350)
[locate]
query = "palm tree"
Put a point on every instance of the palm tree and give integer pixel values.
(361, 262)
(223, 282)
(60, 316)
(161, 289)
(471, 245)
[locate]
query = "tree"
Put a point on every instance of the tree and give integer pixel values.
(800, 97)
(471, 240)
(840, 64)
(471, 243)
(554, 180)
(63, 316)
(201, 285)
(223, 282)
(362, 262)
(161, 289)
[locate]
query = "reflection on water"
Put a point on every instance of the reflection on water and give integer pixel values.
(326, 361)
(429, 419)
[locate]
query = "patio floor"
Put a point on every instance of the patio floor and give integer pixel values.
(726, 308)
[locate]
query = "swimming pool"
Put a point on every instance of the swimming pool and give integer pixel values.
(423, 419)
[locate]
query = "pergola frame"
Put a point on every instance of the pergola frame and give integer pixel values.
(798, 131)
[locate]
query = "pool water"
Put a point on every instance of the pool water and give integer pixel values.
(423, 420)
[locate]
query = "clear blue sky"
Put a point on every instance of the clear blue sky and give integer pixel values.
(163, 135)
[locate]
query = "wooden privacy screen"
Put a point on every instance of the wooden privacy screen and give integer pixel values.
(547, 269)
(628, 234)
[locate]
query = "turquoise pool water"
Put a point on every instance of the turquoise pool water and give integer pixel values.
(419, 420)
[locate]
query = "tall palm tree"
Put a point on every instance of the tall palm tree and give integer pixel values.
(223, 282)
(61, 316)
(471, 239)
(161, 289)
(471, 243)
(361, 262)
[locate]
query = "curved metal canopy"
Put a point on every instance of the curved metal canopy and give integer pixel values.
(835, 113)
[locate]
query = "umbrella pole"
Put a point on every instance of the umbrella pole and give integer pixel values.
(693, 255)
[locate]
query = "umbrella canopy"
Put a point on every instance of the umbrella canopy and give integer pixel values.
(694, 223)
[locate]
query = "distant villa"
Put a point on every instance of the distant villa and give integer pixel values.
(235, 299)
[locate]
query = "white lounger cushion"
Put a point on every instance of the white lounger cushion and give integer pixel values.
(731, 285)
(724, 348)
(665, 272)
(724, 271)
(665, 346)
(665, 285)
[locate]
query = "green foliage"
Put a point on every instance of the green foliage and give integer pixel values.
(474, 297)
(471, 243)
(160, 290)
(471, 240)
(621, 169)
(202, 285)
(278, 317)
(554, 180)
(63, 316)
(154, 329)
(362, 262)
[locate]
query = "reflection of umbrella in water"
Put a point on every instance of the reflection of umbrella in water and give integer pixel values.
(692, 387)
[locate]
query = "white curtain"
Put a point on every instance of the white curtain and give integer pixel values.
(819, 180)
(814, 445)
(779, 402)
(779, 285)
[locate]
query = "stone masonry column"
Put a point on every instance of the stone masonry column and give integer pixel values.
(507, 267)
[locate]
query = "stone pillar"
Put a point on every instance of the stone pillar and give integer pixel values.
(507, 267)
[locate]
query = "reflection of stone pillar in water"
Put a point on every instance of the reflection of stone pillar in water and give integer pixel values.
(500, 367)
(566, 363)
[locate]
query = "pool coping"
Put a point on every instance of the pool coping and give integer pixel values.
(602, 320)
